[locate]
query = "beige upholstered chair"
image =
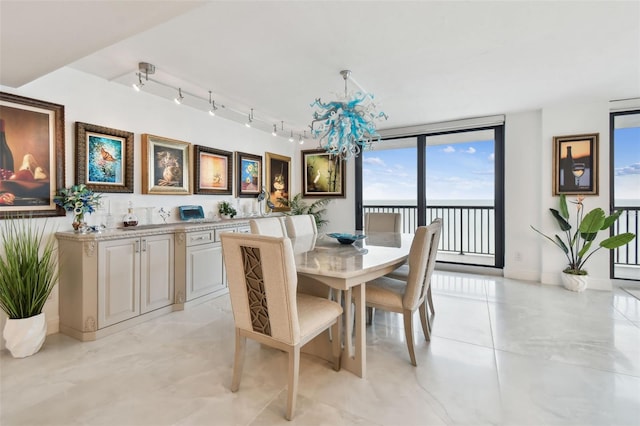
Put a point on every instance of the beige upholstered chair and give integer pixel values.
(271, 226)
(304, 224)
(407, 296)
(382, 222)
(266, 308)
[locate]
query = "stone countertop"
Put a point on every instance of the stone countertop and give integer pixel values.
(154, 229)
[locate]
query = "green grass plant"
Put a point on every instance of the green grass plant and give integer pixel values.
(28, 267)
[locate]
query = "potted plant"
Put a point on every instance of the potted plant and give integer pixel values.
(28, 273)
(576, 245)
(317, 209)
(226, 210)
(78, 199)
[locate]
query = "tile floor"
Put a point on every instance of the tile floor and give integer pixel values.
(503, 352)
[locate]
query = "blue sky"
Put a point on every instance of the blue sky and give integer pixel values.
(626, 162)
(464, 171)
(461, 171)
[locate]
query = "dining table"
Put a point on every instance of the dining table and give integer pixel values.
(347, 268)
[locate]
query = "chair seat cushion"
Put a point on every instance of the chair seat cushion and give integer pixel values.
(386, 292)
(315, 313)
(402, 273)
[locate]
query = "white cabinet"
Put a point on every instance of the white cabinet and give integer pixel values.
(135, 276)
(116, 279)
(204, 272)
(199, 261)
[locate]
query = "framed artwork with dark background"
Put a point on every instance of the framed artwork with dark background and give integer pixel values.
(278, 180)
(575, 164)
(31, 156)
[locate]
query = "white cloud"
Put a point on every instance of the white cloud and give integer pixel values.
(471, 150)
(449, 149)
(376, 161)
(632, 169)
(492, 157)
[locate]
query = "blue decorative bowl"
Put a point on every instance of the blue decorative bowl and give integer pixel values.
(346, 238)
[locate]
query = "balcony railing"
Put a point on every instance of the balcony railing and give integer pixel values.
(465, 229)
(628, 222)
(470, 229)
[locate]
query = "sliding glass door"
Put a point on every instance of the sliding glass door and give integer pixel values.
(456, 175)
(625, 190)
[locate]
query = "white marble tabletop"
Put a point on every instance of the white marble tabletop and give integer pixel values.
(327, 257)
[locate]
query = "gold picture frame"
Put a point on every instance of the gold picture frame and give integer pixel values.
(166, 166)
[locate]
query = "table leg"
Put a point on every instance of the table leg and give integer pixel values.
(356, 364)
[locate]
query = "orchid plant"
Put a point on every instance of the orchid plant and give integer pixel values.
(577, 244)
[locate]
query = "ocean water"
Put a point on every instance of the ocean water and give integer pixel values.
(430, 203)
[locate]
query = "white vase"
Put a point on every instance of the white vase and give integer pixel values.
(574, 282)
(25, 336)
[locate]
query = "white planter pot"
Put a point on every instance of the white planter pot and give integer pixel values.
(574, 282)
(24, 337)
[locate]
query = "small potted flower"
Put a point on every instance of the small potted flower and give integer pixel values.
(78, 199)
(226, 210)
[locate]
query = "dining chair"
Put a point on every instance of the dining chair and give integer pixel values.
(382, 222)
(262, 285)
(271, 226)
(304, 224)
(408, 295)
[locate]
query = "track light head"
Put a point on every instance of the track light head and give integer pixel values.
(291, 137)
(275, 132)
(178, 99)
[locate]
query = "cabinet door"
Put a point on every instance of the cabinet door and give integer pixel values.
(118, 281)
(157, 276)
(204, 270)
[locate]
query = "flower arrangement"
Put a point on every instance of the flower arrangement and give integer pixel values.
(78, 199)
(579, 243)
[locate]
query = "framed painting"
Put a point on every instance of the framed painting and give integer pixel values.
(165, 166)
(278, 180)
(323, 174)
(31, 156)
(575, 164)
(248, 174)
(213, 171)
(104, 158)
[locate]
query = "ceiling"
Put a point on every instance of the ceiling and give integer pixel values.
(425, 61)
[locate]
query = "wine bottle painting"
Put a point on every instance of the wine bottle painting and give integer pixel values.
(575, 160)
(31, 155)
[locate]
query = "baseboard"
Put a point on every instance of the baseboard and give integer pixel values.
(521, 274)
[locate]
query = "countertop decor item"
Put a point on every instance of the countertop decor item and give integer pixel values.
(226, 210)
(28, 273)
(576, 245)
(346, 238)
(78, 199)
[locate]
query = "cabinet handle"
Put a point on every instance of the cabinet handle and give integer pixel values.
(137, 246)
(199, 238)
(144, 245)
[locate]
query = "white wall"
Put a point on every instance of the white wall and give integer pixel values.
(528, 154)
(92, 100)
(528, 191)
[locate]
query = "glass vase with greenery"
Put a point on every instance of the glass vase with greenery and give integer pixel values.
(577, 243)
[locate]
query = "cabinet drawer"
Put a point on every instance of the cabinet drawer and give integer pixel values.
(222, 231)
(197, 238)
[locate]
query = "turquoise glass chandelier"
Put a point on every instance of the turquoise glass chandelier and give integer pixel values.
(345, 127)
